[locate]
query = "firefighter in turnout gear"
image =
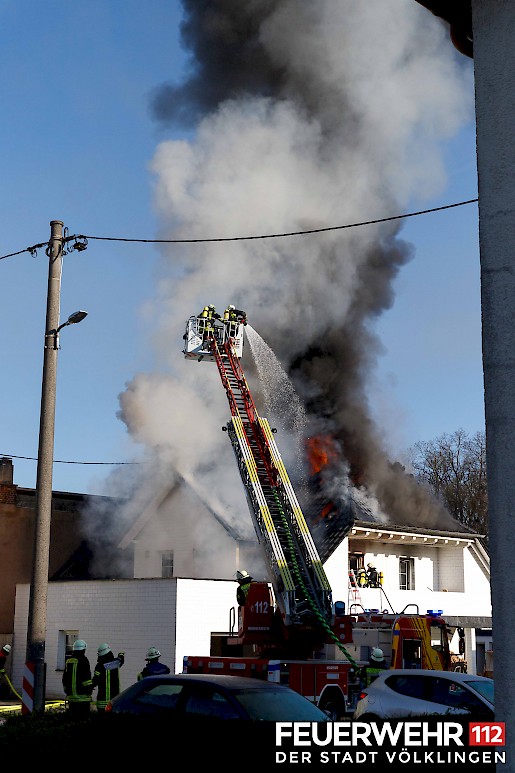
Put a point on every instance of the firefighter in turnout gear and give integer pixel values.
(230, 313)
(209, 314)
(5, 690)
(77, 683)
(244, 580)
(376, 664)
(153, 666)
(106, 676)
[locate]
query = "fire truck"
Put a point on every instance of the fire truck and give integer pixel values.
(289, 630)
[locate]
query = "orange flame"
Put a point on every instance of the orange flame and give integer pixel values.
(321, 451)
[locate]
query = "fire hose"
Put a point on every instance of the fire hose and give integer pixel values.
(11, 686)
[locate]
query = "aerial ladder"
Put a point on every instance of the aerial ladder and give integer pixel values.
(295, 635)
(301, 588)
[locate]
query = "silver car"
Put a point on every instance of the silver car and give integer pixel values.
(410, 692)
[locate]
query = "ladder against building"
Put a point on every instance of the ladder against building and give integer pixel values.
(354, 594)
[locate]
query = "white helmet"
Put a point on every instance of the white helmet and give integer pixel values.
(377, 655)
(211, 306)
(104, 649)
(243, 575)
(79, 644)
(152, 653)
(231, 307)
(7, 648)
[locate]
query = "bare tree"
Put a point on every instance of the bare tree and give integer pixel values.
(455, 468)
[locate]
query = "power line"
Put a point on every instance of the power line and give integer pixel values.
(222, 239)
(280, 235)
(61, 461)
(33, 249)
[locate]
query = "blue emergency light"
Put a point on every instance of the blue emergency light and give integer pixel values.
(435, 612)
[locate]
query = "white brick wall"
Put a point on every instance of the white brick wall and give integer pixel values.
(131, 615)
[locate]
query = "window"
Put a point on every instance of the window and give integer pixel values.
(163, 697)
(65, 647)
(406, 573)
(209, 704)
(412, 686)
(167, 564)
(356, 562)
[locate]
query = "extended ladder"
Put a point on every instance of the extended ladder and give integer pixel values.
(300, 583)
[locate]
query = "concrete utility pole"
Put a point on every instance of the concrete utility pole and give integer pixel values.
(494, 71)
(36, 629)
(485, 31)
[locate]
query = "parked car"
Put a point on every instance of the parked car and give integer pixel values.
(217, 696)
(401, 693)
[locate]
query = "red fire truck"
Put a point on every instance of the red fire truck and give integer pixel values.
(289, 630)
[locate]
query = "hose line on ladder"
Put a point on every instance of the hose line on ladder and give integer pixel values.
(307, 596)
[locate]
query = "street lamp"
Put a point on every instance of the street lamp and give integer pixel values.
(33, 698)
(77, 316)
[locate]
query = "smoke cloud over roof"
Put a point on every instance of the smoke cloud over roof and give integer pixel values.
(301, 116)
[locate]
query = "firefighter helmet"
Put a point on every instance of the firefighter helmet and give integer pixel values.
(152, 653)
(79, 644)
(211, 306)
(377, 655)
(243, 576)
(6, 648)
(104, 649)
(231, 307)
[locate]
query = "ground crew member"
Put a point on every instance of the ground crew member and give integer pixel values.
(106, 676)
(376, 664)
(5, 689)
(77, 682)
(153, 667)
(244, 580)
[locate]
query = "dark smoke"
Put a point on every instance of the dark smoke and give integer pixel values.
(310, 114)
(228, 60)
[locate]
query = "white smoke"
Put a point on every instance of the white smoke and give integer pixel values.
(336, 115)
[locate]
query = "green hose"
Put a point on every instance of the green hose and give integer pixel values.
(307, 596)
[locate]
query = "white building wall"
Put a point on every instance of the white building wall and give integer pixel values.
(460, 569)
(175, 615)
(203, 607)
(177, 524)
(337, 570)
(452, 574)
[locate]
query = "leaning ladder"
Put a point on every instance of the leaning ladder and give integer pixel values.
(354, 594)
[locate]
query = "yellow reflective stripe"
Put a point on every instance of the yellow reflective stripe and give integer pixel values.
(295, 507)
(263, 507)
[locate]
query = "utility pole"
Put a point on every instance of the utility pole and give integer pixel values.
(36, 629)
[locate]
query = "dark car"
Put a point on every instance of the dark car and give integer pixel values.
(211, 697)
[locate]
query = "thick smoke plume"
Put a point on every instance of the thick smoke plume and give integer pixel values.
(303, 116)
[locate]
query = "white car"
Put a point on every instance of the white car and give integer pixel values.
(411, 692)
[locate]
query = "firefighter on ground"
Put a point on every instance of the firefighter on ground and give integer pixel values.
(153, 666)
(106, 676)
(77, 683)
(376, 664)
(5, 689)
(244, 580)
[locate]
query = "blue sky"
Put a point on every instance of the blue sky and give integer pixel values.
(77, 143)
